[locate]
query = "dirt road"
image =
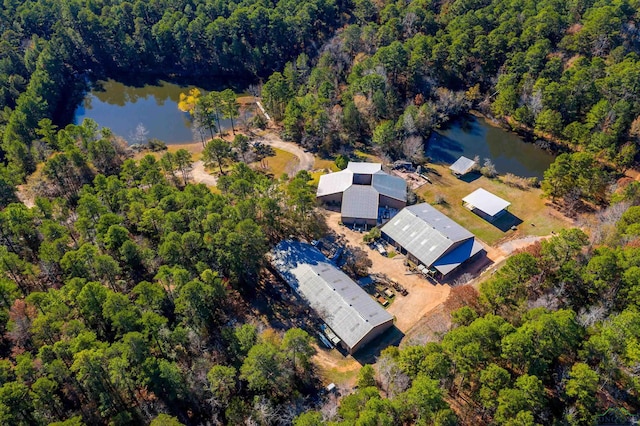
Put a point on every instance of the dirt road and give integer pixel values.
(305, 159)
(200, 175)
(423, 295)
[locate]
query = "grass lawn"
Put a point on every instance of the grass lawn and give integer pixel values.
(335, 368)
(194, 148)
(321, 163)
(366, 158)
(278, 164)
(527, 206)
(320, 166)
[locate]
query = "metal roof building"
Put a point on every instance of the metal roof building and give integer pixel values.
(360, 202)
(430, 238)
(364, 168)
(345, 307)
(462, 166)
(362, 189)
(485, 204)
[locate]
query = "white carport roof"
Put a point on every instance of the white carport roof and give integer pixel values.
(486, 202)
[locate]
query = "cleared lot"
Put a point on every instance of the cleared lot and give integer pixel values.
(528, 206)
(423, 296)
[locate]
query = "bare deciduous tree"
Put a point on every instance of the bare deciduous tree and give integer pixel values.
(391, 377)
(413, 148)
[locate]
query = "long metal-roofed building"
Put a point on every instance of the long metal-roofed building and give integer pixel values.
(364, 192)
(345, 307)
(430, 238)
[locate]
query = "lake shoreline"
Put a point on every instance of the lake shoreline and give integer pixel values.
(149, 111)
(553, 145)
(474, 134)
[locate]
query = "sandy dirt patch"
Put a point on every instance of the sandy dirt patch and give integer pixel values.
(25, 196)
(200, 175)
(335, 368)
(423, 295)
(305, 159)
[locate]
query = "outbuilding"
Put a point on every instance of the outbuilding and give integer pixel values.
(433, 241)
(462, 166)
(345, 307)
(485, 204)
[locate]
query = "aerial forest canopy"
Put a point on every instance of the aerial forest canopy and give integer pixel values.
(125, 290)
(390, 74)
(564, 70)
(49, 48)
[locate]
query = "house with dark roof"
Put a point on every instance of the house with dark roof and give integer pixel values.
(430, 238)
(364, 192)
(343, 305)
(485, 204)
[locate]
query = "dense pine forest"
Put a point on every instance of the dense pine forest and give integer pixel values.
(126, 291)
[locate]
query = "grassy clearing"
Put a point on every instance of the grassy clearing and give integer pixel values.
(321, 166)
(278, 164)
(367, 158)
(335, 368)
(322, 163)
(336, 375)
(194, 148)
(526, 205)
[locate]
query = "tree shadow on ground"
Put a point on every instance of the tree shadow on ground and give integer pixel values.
(368, 354)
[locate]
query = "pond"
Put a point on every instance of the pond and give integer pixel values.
(471, 136)
(124, 108)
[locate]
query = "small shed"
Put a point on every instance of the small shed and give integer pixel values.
(462, 166)
(485, 204)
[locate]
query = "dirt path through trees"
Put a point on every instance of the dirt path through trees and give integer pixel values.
(200, 175)
(305, 159)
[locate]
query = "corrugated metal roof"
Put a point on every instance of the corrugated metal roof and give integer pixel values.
(339, 301)
(486, 202)
(364, 168)
(462, 165)
(360, 201)
(334, 183)
(425, 232)
(390, 186)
